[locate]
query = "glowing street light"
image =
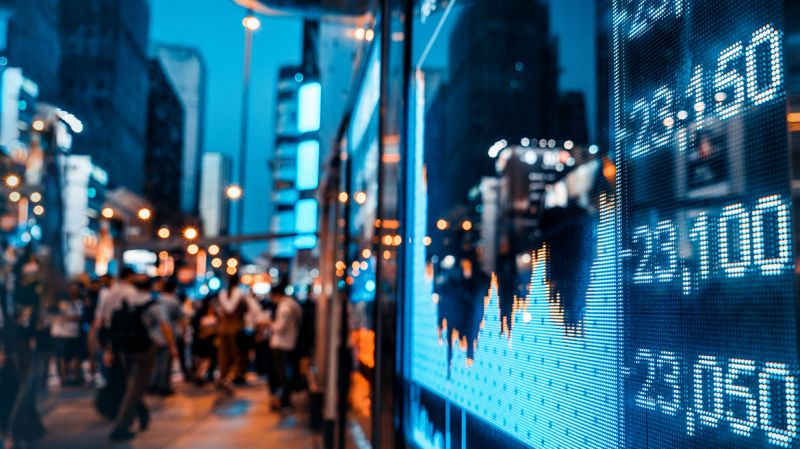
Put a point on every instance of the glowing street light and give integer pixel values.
(234, 192)
(232, 262)
(38, 209)
(107, 212)
(36, 197)
(163, 232)
(144, 214)
(12, 180)
(216, 262)
(14, 197)
(190, 233)
(213, 250)
(192, 249)
(251, 23)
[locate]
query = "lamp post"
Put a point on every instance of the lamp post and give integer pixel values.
(251, 24)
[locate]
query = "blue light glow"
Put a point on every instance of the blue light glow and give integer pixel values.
(307, 165)
(305, 223)
(309, 98)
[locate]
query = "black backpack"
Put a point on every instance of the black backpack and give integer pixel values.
(128, 330)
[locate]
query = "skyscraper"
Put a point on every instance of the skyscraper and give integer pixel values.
(283, 163)
(185, 69)
(29, 40)
(216, 174)
(164, 158)
(103, 80)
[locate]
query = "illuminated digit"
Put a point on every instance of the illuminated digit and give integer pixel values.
(761, 94)
(731, 267)
(643, 397)
(776, 435)
(639, 23)
(780, 210)
(658, 11)
(708, 366)
(699, 235)
(669, 247)
(640, 144)
(642, 272)
(728, 78)
(734, 393)
(664, 116)
(669, 364)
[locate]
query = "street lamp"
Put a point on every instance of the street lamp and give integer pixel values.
(234, 192)
(144, 214)
(213, 250)
(163, 232)
(192, 249)
(107, 212)
(12, 181)
(190, 233)
(251, 23)
(36, 197)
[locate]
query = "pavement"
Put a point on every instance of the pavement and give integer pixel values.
(191, 419)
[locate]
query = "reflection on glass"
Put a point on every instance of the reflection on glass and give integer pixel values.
(601, 217)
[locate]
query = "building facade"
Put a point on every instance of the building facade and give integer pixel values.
(164, 159)
(29, 40)
(185, 68)
(216, 175)
(103, 80)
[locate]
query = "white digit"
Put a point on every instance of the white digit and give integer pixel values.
(667, 237)
(708, 365)
(664, 116)
(739, 393)
(642, 272)
(761, 94)
(726, 247)
(780, 209)
(641, 144)
(775, 435)
(643, 397)
(729, 78)
(699, 234)
(672, 378)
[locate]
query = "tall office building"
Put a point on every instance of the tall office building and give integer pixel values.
(502, 84)
(216, 174)
(29, 40)
(164, 158)
(185, 69)
(283, 163)
(103, 80)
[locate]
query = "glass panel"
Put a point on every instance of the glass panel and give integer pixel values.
(600, 202)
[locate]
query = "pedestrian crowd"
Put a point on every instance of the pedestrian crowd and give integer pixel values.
(135, 335)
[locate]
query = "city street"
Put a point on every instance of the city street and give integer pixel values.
(191, 419)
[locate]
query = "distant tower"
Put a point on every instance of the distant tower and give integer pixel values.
(104, 76)
(185, 69)
(216, 174)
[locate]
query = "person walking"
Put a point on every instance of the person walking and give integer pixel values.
(66, 333)
(135, 323)
(164, 294)
(285, 329)
(234, 304)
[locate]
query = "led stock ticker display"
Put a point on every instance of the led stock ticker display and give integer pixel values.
(660, 310)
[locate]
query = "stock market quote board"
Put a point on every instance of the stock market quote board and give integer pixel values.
(654, 304)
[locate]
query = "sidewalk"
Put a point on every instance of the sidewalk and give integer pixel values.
(192, 419)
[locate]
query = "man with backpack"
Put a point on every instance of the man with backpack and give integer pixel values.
(133, 323)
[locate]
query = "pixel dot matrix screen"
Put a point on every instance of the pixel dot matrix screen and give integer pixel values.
(639, 294)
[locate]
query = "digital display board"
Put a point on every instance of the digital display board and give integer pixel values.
(640, 295)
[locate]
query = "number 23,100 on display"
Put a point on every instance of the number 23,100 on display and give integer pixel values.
(730, 243)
